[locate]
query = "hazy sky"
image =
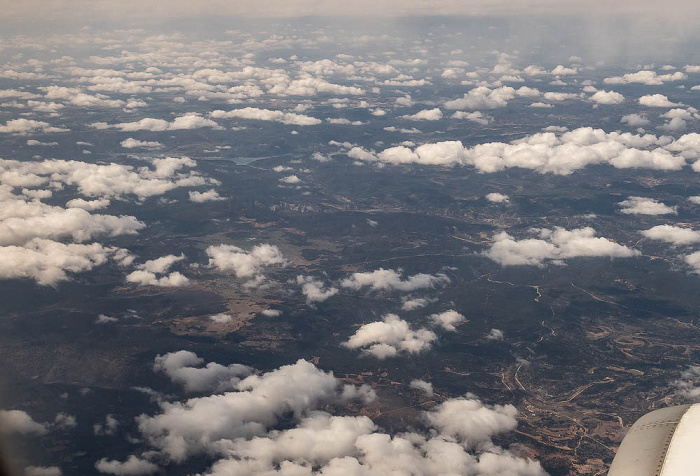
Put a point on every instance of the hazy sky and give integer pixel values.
(156, 10)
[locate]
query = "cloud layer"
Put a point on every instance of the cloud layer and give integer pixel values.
(237, 428)
(548, 153)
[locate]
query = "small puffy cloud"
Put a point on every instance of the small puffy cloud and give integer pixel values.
(208, 196)
(688, 385)
(16, 94)
(89, 205)
(449, 73)
(314, 290)
(48, 107)
(186, 122)
(42, 471)
(291, 180)
(49, 262)
(20, 422)
(677, 119)
(104, 319)
(693, 260)
(78, 98)
(221, 318)
(533, 70)
(313, 86)
(554, 246)
(607, 97)
(650, 78)
(146, 278)
(471, 421)
(688, 146)
(674, 125)
(255, 113)
(411, 304)
(483, 98)
(423, 386)
(390, 336)
(36, 194)
(271, 313)
(133, 466)
(475, 116)
(645, 206)
(147, 273)
(109, 427)
(98, 101)
(389, 280)
(65, 421)
(425, 115)
(497, 197)
(244, 264)
(32, 142)
(404, 101)
(131, 143)
(162, 264)
(184, 368)
(343, 121)
(680, 113)
(402, 130)
(526, 92)
(656, 100)
(448, 319)
(29, 126)
(555, 96)
(495, 334)
(448, 153)
(133, 103)
(561, 70)
(673, 234)
(406, 81)
(635, 120)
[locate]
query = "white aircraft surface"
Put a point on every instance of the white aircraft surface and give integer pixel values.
(665, 442)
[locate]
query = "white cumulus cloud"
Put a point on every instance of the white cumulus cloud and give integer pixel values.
(133, 466)
(496, 197)
(425, 115)
(607, 97)
(132, 143)
(656, 100)
(186, 122)
(555, 246)
(390, 336)
(267, 115)
(245, 264)
(645, 206)
(207, 196)
(389, 279)
(184, 368)
(448, 319)
(315, 290)
(673, 234)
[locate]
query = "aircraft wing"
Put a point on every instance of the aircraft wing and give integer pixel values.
(665, 442)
